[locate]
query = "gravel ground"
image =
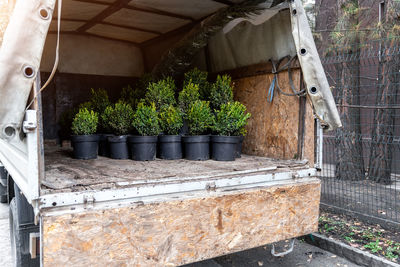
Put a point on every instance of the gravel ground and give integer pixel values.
(303, 254)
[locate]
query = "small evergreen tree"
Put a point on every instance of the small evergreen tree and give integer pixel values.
(145, 120)
(231, 119)
(199, 117)
(118, 118)
(188, 96)
(161, 93)
(221, 91)
(171, 120)
(198, 77)
(85, 122)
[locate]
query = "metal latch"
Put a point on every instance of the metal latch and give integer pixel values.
(88, 200)
(211, 186)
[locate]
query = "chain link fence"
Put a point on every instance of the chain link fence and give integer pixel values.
(361, 161)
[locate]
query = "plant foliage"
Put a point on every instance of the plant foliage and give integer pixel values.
(198, 77)
(85, 122)
(118, 118)
(221, 91)
(171, 120)
(231, 119)
(161, 93)
(99, 100)
(188, 96)
(145, 120)
(199, 117)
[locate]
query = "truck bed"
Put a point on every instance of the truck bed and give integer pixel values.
(65, 174)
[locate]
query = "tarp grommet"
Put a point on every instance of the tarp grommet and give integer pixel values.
(44, 13)
(303, 51)
(313, 90)
(28, 71)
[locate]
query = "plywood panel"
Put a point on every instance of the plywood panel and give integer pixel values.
(79, 10)
(66, 25)
(273, 127)
(182, 231)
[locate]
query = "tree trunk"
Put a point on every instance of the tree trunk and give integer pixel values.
(381, 154)
(348, 149)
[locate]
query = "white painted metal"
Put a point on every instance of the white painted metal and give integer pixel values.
(319, 145)
(92, 198)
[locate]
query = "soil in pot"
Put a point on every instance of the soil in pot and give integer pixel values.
(118, 147)
(104, 148)
(170, 147)
(143, 148)
(85, 146)
(197, 147)
(224, 147)
(239, 145)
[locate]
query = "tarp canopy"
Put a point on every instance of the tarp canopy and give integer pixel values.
(122, 37)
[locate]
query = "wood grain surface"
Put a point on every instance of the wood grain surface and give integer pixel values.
(182, 231)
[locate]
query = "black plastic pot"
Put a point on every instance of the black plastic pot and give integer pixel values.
(143, 148)
(197, 147)
(224, 147)
(170, 146)
(238, 153)
(85, 146)
(104, 148)
(118, 146)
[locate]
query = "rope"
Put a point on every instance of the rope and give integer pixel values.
(53, 71)
(275, 82)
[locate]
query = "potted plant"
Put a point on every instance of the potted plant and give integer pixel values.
(84, 140)
(229, 120)
(199, 78)
(161, 93)
(118, 118)
(188, 95)
(145, 121)
(221, 91)
(171, 122)
(199, 118)
(99, 102)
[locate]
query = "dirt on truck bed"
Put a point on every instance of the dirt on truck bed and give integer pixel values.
(65, 174)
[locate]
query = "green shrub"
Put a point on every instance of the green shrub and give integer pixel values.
(85, 122)
(118, 118)
(188, 96)
(221, 91)
(99, 100)
(161, 93)
(86, 105)
(198, 77)
(145, 120)
(231, 119)
(199, 117)
(142, 83)
(171, 120)
(132, 96)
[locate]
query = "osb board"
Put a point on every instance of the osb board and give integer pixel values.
(179, 232)
(65, 174)
(273, 129)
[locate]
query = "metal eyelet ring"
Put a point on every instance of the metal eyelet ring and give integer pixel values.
(303, 51)
(28, 71)
(294, 12)
(313, 90)
(9, 131)
(44, 13)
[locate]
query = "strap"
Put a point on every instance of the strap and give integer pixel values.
(275, 82)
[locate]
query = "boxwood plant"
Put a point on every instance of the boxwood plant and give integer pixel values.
(171, 120)
(85, 122)
(161, 93)
(145, 120)
(188, 95)
(199, 78)
(199, 117)
(118, 118)
(231, 119)
(221, 91)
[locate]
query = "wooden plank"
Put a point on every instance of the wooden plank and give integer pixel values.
(112, 24)
(117, 5)
(178, 232)
(158, 12)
